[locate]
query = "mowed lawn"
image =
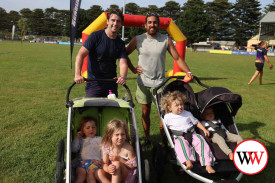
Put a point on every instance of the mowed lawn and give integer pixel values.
(34, 79)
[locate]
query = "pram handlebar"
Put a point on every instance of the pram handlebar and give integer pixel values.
(177, 77)
(70, 103)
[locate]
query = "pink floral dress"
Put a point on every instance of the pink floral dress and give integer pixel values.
(132, 172)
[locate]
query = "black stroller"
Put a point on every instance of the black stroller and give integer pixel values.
(225, 105)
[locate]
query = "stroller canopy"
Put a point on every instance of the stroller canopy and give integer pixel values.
(216, 95)
(97, 102)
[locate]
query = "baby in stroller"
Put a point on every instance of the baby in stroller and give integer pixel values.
(182, 125)
(218, 133)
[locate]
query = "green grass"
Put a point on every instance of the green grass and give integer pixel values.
(34, 79)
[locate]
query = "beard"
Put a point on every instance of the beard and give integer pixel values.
(152, 32)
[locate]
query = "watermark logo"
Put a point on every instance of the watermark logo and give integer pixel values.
(250, 157)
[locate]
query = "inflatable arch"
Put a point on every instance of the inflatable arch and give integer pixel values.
(138, 21)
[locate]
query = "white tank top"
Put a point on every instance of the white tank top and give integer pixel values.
(151, 57)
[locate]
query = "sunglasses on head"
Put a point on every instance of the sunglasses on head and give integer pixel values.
(152, 14)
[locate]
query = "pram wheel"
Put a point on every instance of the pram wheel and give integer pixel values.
(145, 170)
(60, 164)
(158, 160)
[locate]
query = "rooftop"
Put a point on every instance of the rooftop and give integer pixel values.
(268, 18)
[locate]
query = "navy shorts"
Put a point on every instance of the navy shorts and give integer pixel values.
(100, 89)
(259, 66)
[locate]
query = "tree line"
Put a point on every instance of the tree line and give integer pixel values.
(216, 20)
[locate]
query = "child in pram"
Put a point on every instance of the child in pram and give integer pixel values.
(182, 124)
(119, 159)
(89, 147)
(219, 134)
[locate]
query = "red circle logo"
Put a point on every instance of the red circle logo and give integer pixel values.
(250, 157)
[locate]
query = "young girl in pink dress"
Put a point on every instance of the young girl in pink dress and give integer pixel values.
(182, 124)
(119, 159)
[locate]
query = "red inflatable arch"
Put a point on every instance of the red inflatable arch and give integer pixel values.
(138, 21)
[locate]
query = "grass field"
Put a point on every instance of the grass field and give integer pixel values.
(34, 79)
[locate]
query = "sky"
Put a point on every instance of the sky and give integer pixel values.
(17, 5)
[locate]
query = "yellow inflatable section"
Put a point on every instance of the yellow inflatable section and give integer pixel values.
(175, 32)
(98, 24)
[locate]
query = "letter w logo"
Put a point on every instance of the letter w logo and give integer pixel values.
(247, 159)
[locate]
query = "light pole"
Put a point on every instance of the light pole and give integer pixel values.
(123, 26)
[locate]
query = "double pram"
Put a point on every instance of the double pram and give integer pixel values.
(103, 110)
(224, 103)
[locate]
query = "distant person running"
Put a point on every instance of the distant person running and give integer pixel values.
(259, 63)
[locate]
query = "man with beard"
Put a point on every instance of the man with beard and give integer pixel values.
(152, 47)
(103, 47)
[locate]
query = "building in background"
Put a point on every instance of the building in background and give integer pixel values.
(266, 32)
(213, 45)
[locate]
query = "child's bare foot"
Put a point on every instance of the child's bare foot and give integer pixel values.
(230, 155)
(209, 169)
(249, 83)
(189, 165)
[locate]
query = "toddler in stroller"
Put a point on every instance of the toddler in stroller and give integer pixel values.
(219, 134)
(182, 125)
(90, 156)
(225, 105)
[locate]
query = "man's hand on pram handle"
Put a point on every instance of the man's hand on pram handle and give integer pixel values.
(79, 79)
(121, 80)
(190, 75)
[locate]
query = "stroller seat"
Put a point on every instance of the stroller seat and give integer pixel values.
(225, 104)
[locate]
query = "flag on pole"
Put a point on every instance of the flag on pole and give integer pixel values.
(22, 35)
(74, 11)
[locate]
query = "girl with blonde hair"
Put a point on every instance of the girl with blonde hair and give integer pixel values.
(182, 125)
(119, 159)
